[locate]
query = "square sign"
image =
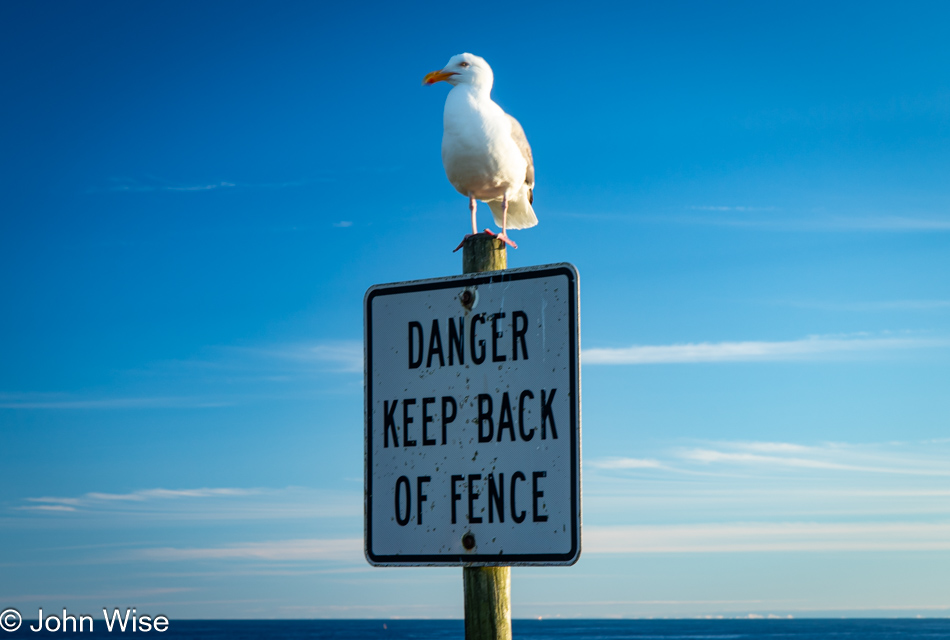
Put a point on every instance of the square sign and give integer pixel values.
(473, 439)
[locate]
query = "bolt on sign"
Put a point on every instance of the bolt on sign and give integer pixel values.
(473, 439)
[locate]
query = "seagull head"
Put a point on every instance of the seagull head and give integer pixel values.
(465, 68)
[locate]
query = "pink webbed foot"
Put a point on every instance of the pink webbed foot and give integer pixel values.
(462, 243)
(503, 237)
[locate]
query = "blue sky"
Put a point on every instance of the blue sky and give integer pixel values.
(195, 197)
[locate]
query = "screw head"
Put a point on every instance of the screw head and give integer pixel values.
(468, 541)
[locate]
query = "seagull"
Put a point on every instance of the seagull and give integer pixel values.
(484, 150)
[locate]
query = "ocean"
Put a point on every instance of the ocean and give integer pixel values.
(810, 629)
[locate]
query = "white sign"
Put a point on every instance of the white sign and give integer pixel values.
(473, 443)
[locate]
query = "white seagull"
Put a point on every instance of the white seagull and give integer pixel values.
(484, 150)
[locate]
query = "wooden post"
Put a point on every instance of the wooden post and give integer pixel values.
(483, 252)
(487, 589)
(487, 603)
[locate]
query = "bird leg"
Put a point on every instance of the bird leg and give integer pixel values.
(503, 236)
(471, 205)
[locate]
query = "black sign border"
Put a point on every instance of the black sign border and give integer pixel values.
(476, 559)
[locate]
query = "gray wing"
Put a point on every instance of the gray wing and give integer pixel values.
(517, 134)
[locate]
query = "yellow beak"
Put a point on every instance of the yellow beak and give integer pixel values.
(437, 76)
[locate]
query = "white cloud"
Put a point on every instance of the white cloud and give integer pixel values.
(812, 347)
(893, 458)
(771, 482)
(257, 368)
(866, 223)
(731, 208)
(347, 355)
(60, 401)
(885, 305)
(924, 459)
(343, 355)
(281, 550)
(758, 537)
(152, 183)
(889, 223)
(626, 463)
(48, 508)
(773, 447)
(155, 184)
(63, 501)
(173, 493)
(146, 494)
(100, 596)
(206, 503)
(710, 455)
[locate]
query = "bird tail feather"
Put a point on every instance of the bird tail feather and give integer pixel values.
(520, 213)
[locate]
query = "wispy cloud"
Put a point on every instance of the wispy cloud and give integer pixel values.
(763, 481)
(626, 463)
(772, 219)
(883, 305)
(885, 223)
(173, 493)
(63, 501)
(227, 376)
(809, 348)
(343, 355)
(54, 508)
(152, 183)
(731, 208)
(712, 456)
(206, 503)
(63, 401)
(93, 498)
(929, 459)
(876, 223)
(106, 596)
(901, 490)
(280, 550)
(757, 537)
(892, 458)
(131, 185)
(278, 362)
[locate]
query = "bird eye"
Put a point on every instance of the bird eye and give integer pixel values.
(463, 64)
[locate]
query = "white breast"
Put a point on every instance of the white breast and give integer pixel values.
(479, 155)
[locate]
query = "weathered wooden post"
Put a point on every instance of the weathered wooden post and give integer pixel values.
(487, 603)
(483, 252)
(487, 589)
